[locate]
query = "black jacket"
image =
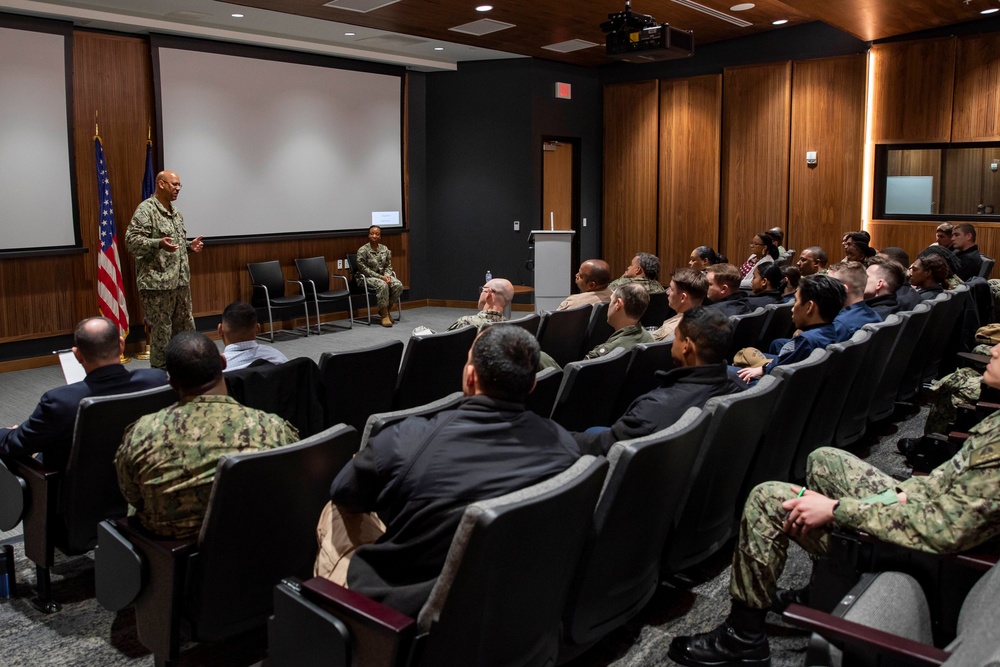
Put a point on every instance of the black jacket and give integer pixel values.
(680, 389)
(734, 304)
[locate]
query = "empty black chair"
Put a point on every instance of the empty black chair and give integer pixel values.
(529, 323)
(778, 324)
(986, 268)
(640, 377)
(854, 415)
(269, 292)
(562, 332)
(982, 299)
(707, 518)
(842, 369)
(360, 383)
(884, 398)
(543, 396)
(658, 311)
(293, 390)
(360, 288)
(598, 329)
(315, 280)
(930, 348)
(260, 526)
(63, 507)
(620, 565)
(498, 600)
(432, 366)
(801, 384)
(584, 396)
(747, 329)
(380, 420)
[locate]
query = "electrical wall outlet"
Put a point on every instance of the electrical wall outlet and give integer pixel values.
(517, 225)
(340, 263)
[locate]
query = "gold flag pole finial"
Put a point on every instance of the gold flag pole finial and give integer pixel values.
(97, 132)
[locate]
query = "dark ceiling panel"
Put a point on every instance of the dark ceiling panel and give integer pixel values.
(543, 22)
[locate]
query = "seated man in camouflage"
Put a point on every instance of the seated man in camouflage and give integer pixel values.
(166, 462)
(644, 270)
(494, 297)
(954, 508)
(628, 303)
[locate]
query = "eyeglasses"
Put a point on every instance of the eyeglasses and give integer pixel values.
(755, 243)
(485, 289)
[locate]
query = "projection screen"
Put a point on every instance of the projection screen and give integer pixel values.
(270, 147)
(36, 192)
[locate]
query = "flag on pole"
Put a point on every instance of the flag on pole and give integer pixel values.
(148, 186)
(110, 290)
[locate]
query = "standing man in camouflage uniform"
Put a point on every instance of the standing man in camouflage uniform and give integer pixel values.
(955, 507)
(375, 265)
(154, 237)
(166, 462)
(494, 298)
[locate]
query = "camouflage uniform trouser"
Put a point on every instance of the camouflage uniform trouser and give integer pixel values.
(762, 547)
(168, 312)
(952, 390)
(385, 293)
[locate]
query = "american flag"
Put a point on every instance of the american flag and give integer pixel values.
(110, 290)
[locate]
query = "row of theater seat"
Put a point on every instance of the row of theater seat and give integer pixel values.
(556, 583)
(826, 399)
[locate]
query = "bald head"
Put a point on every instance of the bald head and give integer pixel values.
(168, 186)
(496, 294)
(96, 342)
(593, 276)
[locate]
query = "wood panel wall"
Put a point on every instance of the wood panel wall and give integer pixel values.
(912, 90)
(756, 115)
(828, 114)
(977, 89)
(47, 296)
(690, 168)
(630, 171)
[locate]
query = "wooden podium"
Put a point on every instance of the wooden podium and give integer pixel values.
(553, 267)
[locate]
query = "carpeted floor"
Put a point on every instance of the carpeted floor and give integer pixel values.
(83, 633)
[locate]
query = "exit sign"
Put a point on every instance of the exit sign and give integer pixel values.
(564, 91)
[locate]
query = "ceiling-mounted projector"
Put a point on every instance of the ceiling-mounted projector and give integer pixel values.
(638, 38)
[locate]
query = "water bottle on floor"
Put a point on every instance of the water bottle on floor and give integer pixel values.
(7, 578)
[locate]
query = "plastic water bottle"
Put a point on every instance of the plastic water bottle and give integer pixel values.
(7, 578)
(489, 276)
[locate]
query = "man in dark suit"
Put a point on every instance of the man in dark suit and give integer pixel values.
(49, 429)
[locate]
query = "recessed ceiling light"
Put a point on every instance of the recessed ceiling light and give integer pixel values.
(742, 7)
(484, 8)
(779, 22)
(350, 34)
(439, 48)
(237, 16)
(990, 11)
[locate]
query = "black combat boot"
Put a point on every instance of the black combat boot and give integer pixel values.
(740, 640)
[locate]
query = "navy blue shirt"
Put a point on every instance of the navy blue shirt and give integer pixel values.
(852, 318)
